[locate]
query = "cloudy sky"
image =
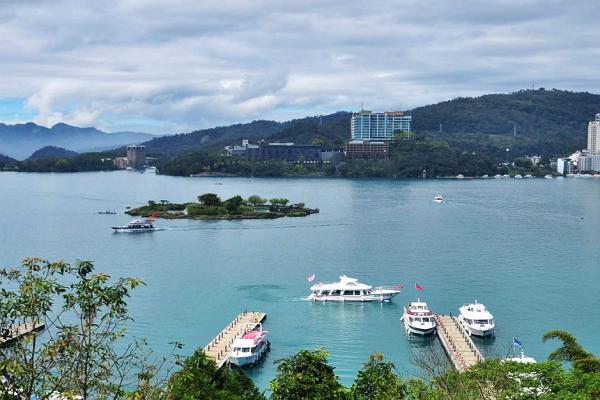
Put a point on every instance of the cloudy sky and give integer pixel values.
(168, 66)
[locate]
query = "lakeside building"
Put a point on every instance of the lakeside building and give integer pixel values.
(305, 153)
(120, 162)
(593, 139)
(563, 166)
(136, 156)
(382, 126)
(366, 149)
(588, 162)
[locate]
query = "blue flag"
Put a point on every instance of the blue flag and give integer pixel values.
(516, 342)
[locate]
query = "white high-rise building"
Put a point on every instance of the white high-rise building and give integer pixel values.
(593, 143)
(370, 126)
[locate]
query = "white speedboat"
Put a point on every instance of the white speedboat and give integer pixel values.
(250, 347)
(518, 176)
(418, 318)
(137, 225)
(476, 319)
(350, 289)
(549, 176)
(438, 199)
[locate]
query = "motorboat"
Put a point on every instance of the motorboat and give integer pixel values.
(418, 318)
(137, 225)
(107, 212)
(518, 176)
(549, 176)
(518, 358)
(476, 319)
(250, 347)
(528, 176)
(350, 289)
(438, 199)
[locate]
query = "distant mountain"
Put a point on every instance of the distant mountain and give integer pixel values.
(20, 140)
(52, 152)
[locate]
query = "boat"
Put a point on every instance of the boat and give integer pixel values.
(350, 289)
(549, 176)
(528, 176)
(418, 318)
(438, 199)
(520, 358)
(137, 225)
(250, 347)
(497, 176)
(476, 319)
(107, 212)
(486, 176)
(518, 176)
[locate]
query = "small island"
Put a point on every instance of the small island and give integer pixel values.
(211, 207)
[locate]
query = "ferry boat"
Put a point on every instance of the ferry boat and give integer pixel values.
(251, 347)
(418, 318)
(350, 289)
(137, 225)
(438, 199)
(476, 320)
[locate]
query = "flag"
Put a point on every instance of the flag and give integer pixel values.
(311, 277)
(516, 342)
(418, 287)
(153, 216)
(398, 287)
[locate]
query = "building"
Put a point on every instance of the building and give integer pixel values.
(291, 152)
(370, 126)
(588, 163)
(120, 162)
(563, 166)
(237, 150)
(366, 149)
(593, 143)
(136, 156)
(535, 160)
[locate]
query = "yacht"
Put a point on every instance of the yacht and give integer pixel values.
(350, 289)
(418, 318)
(438, 199)
(137, 225)
(251, 347)
(476, 319)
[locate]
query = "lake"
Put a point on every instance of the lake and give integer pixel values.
(528, 249)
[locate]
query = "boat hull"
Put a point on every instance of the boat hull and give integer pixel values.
(253, 358)
(477, 331)
(419, 330)
(118, 229)
(379, 297)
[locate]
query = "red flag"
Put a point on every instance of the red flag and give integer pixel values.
(399, 287)
(418, 287)
(153, 216)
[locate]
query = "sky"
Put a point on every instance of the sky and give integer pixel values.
(171, 66)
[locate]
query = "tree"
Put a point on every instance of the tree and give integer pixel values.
(210, 199)
(84, 315)
(200, 379)
(256, 200)
(571, 351)
(378, 380)
(233, 204)
(280, 201)
(306, 376)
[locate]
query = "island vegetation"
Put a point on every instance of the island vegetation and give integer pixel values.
(210, 206)
(86, 354)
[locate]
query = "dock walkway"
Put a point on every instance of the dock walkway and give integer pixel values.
(458, 345)
(18, 331)
(220, 347)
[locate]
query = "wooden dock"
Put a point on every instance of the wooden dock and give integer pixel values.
(18, 331)
(458, 345)
(220, 347)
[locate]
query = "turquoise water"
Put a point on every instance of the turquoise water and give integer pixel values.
(528, 249)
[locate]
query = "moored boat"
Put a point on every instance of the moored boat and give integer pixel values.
(250, 347)
(418, 319)
(350, 289)
(476, 319)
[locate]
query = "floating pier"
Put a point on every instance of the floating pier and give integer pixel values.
(457, 343)
(18, 331)
(219, 348)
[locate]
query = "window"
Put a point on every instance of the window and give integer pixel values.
(348, 292)
(425, 319)
(336, 292)
(357, 292)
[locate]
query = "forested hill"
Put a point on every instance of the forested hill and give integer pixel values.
(536, 113)
(52, 152)
(329, 130)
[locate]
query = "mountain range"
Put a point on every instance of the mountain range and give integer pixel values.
(21, 140)
(548, 122)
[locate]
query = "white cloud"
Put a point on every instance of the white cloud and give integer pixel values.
(178, 65)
